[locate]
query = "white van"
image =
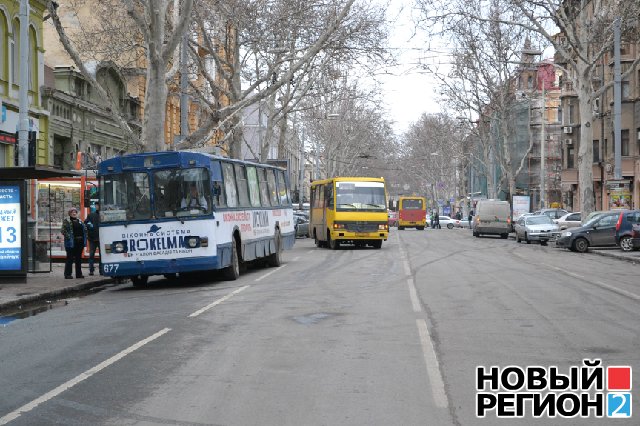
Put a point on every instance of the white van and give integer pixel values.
(492, 217)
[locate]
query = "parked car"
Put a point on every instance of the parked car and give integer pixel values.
(393, 218)
(552, 213)
(449, 222)
(301, 225)
(598, 232)
(536, 228)
(492, 217)
(628, 229)
(592, 215)
(570, 220)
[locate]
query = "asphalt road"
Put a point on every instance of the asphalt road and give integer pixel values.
(347, 337)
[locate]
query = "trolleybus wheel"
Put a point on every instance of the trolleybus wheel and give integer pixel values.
(140, 280)
(232, 272)
(275, 259)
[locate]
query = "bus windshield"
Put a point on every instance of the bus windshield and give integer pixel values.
(125, 196)
(182, 192)
(360, 196)
(411, 204)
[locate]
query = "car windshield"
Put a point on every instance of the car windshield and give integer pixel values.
(538, 220)
(591, 220)
(359, 196)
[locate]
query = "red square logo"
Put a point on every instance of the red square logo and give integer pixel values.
(619, 378)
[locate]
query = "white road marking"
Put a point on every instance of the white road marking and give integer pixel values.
(80, 378)
(433, 367)
(217, 302)
(269, 273)
(413, 294)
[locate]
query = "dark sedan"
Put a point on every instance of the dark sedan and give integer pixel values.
(597, 232)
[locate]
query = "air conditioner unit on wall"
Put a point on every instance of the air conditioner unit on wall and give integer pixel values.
(567, 130)
(568, 141)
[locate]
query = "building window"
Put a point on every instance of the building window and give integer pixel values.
(624, 143)
(3, 44)
(530, 82)
(570, 164)
(570, 114)
(605, 149)
(596, 151)
(626, 89)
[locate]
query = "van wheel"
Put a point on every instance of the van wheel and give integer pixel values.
(581, 245)
(232, 272)
(275, 259)
(626, 244)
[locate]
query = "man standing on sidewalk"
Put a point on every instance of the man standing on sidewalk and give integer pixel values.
(75, 238)
(93, 225)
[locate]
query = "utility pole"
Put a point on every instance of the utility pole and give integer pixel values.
(23, 94)
(542, 162)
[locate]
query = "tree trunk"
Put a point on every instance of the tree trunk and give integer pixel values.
(155, 107)
(585, 149)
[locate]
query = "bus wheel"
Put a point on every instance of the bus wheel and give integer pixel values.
(232, 272)
(377, 244)
(275, 259)
(140, 281)
(333, 244)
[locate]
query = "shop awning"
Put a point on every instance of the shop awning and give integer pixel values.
(34, 172)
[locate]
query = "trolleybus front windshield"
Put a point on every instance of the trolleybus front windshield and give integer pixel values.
(125, 196)
(182, 192)
(360, 196)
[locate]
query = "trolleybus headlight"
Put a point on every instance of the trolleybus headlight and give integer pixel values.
(191, 242)
(204, 242)
(338, 225)
(119, 247)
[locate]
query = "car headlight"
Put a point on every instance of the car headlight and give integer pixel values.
(566, 234)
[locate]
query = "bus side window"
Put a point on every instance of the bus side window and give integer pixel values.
(328, 194)
(218, 194)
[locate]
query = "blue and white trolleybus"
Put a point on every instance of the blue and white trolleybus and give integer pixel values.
(170, 212)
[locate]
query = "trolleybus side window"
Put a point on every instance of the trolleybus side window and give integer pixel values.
(243, 189)
(264, 189)
(283, 191)
(217, 193)
(230, 185)
(254, 189)
(273, 191)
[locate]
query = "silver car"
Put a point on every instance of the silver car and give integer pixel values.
(536, 228)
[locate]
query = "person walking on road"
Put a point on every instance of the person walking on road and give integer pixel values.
(75, 238)
(470, 218)
(93, 224)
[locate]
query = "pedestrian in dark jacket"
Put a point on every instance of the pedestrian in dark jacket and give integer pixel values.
(93, 224)
(470, 218)
(75, 238)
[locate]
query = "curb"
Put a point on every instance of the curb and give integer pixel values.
(53, 294)
(634, 260)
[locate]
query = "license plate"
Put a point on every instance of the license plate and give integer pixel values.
(361, 234)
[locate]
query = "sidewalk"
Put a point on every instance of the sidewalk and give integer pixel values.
(46, 286)
(617, 253)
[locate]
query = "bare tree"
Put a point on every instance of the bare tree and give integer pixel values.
(584, 40)
(288, 39)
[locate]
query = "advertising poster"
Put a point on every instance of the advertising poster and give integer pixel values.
(520, 205)
(619, 195)
(10, 228)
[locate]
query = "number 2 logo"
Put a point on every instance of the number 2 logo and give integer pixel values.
(619, 404)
